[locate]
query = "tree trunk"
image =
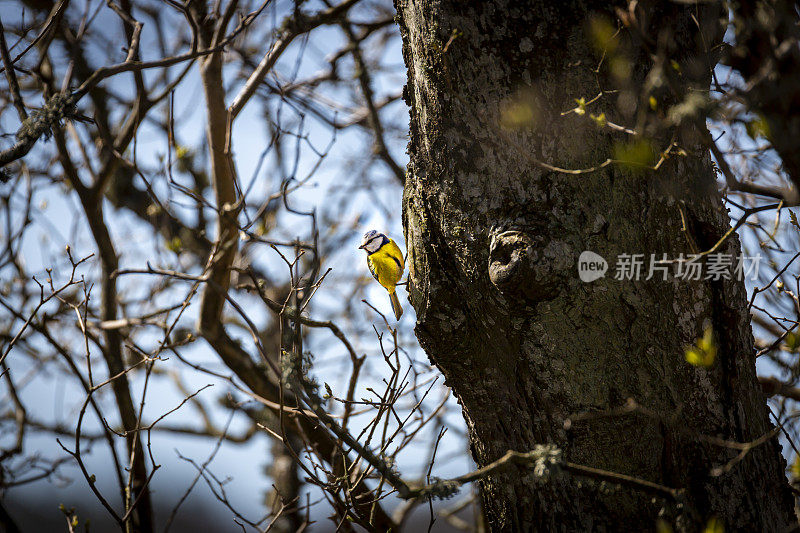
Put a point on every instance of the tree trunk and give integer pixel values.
(493, 244)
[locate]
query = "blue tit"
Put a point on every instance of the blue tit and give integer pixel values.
(385, 261)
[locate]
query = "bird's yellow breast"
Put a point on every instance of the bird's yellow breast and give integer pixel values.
(387, 265)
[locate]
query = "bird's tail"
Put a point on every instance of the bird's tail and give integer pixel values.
(398, 310)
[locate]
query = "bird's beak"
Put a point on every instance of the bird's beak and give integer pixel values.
(361, 247)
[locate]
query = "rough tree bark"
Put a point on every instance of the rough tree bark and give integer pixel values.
(493, 244)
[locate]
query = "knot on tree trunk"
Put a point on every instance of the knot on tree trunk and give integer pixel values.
(517, 267)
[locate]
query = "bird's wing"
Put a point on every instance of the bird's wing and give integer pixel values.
(393, 251)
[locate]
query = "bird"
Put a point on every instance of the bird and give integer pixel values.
(386, 263)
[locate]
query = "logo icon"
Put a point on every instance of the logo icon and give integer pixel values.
(591, 266)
